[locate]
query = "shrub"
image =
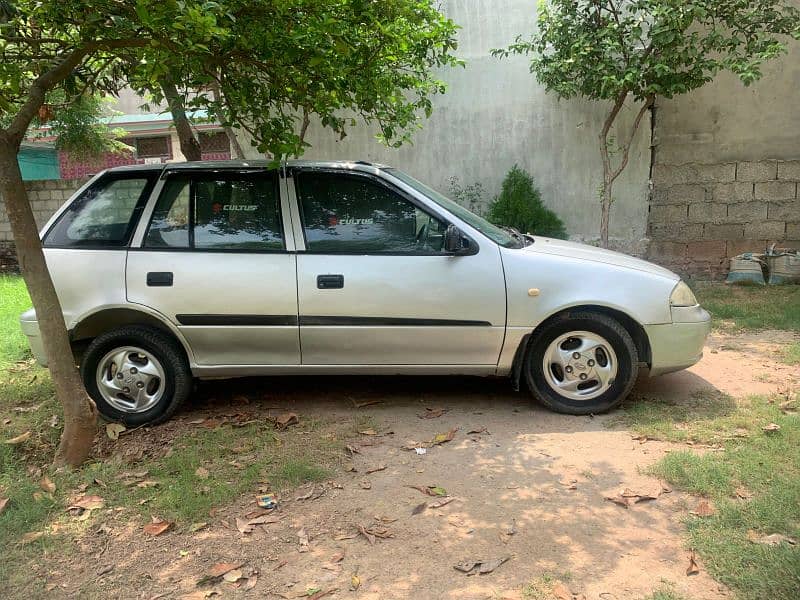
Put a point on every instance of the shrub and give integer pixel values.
(519, 205)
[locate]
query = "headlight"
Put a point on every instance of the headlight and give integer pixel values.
(682, 295)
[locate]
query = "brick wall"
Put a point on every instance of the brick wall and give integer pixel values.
(45, 197)
(703, 214)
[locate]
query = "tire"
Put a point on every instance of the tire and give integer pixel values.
(607, 357)
(158, 364)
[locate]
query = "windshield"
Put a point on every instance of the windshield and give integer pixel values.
(493, 232)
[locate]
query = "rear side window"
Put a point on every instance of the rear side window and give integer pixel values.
(220, 211)
(104, 215)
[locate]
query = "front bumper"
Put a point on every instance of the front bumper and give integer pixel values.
(30, 327)
(678, 345)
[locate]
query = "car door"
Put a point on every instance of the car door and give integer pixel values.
(214, 258)
(375, 286)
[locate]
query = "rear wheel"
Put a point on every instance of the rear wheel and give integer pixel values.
(583, 363)
(136, 375)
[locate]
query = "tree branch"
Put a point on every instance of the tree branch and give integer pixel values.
(627, 147)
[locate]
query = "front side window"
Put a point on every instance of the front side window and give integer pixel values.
(345, 213)
(104, 215)
(237, 211)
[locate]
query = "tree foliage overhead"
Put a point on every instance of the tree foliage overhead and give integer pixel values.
(601, 48)
(620, 49)
(273, 63)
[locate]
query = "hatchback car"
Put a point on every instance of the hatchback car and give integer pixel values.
(228, 269)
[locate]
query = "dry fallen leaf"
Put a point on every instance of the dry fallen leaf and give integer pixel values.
(477, 431)
(441, 438)
(47, 485)
(368, 432)
(219, 569)
(376, 469)
(743, 493)
(432, 413)
(771, 427)
(355, 582)
(233, 575)
(114, 429)
(157, 527)
(285, 419)
(440, 503)
(774, 539)
(19, 439)
(628, 497)
(483, 566)
(3, 502)
(251, 582)
(692, 569)
(302, 538)
(194, 527)
(704, 509)
(88, 503)
(202, 472)
(561, 592)
(366, 403)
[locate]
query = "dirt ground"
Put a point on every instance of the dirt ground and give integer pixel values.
(530, 487)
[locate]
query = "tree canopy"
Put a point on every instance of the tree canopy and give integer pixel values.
(639, 49)
(600, 48)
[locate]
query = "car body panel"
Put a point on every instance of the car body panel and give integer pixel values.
(395, 314)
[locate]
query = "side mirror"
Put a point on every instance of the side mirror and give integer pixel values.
(455, 242)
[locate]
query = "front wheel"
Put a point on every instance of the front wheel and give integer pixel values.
(136, 375)
(584, 363)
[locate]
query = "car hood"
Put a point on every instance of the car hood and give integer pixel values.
(544, 245)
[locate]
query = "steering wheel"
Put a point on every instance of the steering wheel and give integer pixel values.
(422, 235)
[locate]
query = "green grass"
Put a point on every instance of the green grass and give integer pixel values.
(238, 461)
(739, 307)
(765, 465)
(666, 591)
(791, 354)
(14, 300)
(705, 416)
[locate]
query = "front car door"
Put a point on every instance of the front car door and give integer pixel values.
(213, 257)
(375, 285)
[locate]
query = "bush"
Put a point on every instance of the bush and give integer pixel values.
(519, 205)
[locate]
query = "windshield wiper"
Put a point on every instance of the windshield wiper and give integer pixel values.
(523, 238)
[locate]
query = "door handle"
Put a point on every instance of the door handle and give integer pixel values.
(330, 282)
(159, 279)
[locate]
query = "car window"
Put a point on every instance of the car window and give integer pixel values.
(104, 215)
(345, 213)
(493, 232)
(236, 211)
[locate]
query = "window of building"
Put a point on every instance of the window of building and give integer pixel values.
(153, 147)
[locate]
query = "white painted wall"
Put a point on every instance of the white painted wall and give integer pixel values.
(495, 115)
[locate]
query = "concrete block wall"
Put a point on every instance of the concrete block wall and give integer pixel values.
(701, 215)
(46, 197)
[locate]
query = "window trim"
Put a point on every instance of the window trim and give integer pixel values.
(295, 172)
(194, 175)
(104, 179)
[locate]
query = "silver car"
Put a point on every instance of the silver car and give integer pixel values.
(228, 269)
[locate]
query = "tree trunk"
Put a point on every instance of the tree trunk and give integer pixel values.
(190, 147)
(236, 147)
(605, 210)
(80, 414)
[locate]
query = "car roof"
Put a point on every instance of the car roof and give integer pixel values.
(247, 164)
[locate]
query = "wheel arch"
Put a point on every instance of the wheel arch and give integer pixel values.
(631, 325)
(97, 322)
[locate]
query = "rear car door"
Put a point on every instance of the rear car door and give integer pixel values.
(214, 259)
(375, 285)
